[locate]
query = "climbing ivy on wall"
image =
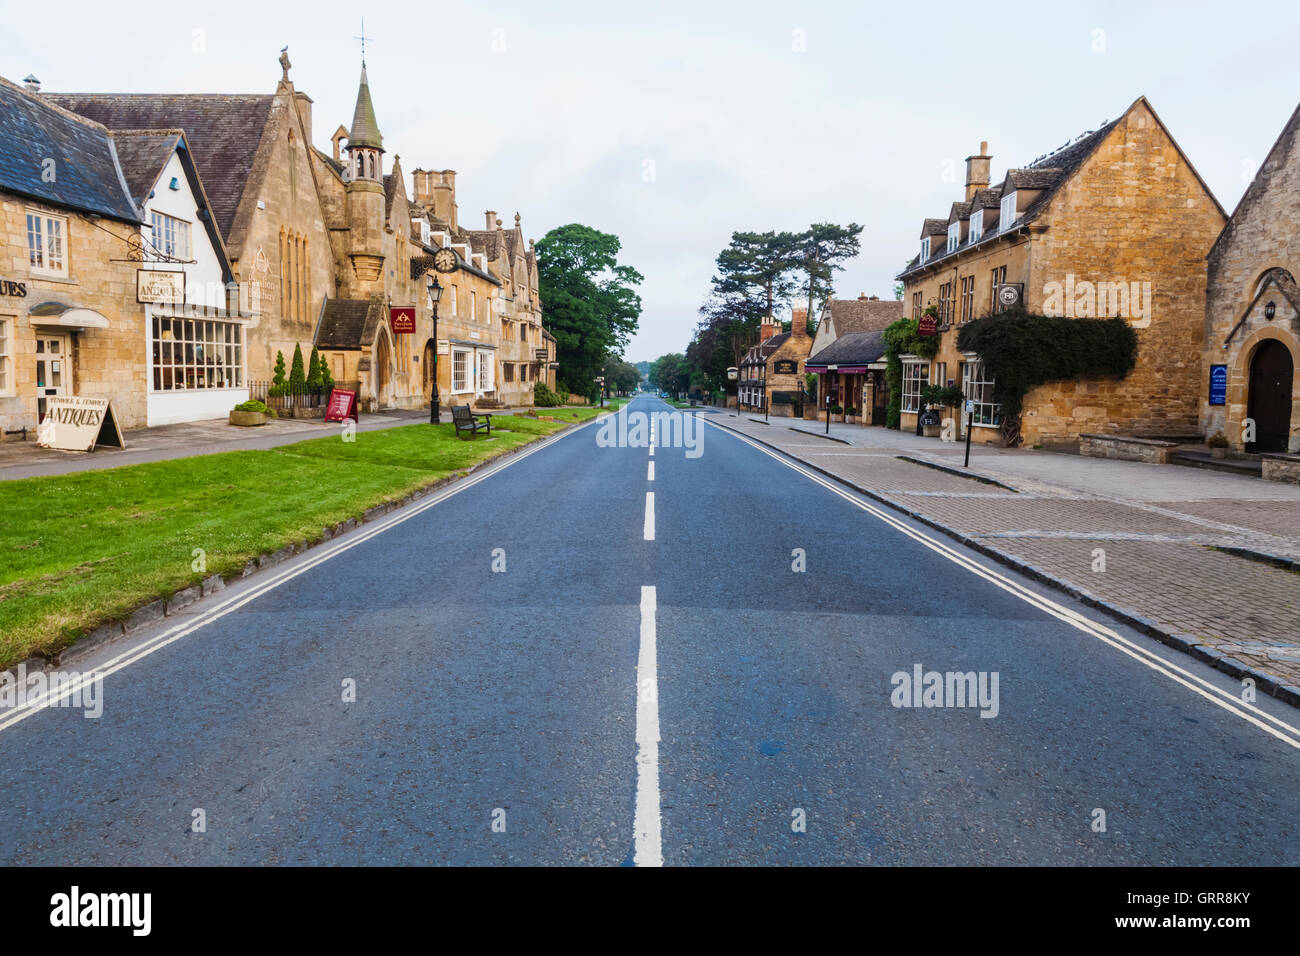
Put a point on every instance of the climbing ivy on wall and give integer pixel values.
(1021, 351)
(904, 338)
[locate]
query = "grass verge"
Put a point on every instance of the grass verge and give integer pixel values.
(81, 550)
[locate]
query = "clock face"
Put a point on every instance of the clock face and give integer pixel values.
(446, 260)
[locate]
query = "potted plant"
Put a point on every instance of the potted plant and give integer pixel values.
(1218, 445)
(837, 409)
(852, 412)
(250, 413)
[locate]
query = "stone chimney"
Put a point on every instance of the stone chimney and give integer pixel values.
(32, 84)
(766, 329)
(422, 180)
(444, 197)
(799, 323)
(977, 171)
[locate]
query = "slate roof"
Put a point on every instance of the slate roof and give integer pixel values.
(862, 315)
(484, 241)
(934, 227)
(364, 130)
(87, 175)
(960, 211)
(142, 155)
(223, 133)
(343, 324)
(856, 348)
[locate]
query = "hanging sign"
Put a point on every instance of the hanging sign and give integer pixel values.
(342, 406)
(156, 287)
(73, 423)
(402, 319)
(928, 325)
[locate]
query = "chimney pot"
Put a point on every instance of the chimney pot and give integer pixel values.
(32, 83)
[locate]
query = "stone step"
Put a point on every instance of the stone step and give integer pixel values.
(1235, 466)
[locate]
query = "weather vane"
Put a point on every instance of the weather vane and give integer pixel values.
(363, 39)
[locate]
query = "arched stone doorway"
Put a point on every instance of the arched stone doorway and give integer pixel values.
(1272, 375)
(383, 370)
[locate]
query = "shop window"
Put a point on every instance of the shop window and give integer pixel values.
(196, 353)
(916, 376)
(45, 244)
(459, 370)
(977, 385)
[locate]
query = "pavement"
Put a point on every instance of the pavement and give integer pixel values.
(1164, 531)
(717, 674)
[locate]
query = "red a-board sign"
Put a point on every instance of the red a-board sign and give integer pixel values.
(928, 325)
(402, 319)
(342, 406)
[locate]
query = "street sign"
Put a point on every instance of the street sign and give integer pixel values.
(73, 423)
(342, 405)
(970, 405)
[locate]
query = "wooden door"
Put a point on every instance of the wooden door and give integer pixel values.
(1269, 402)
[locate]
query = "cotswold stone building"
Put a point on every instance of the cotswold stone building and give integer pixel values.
(771, 373)
(1116, 222)
(325, 245)
(113, 274)
(855, 328)
(1252, 311)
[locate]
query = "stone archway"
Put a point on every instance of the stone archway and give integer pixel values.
(383, 370)
(1239, 379)
(1268, 400)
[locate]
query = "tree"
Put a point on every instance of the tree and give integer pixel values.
(821, 248)
(671, 373)
(314, 379)
(297, 377)
(278, 377)
(592, 307)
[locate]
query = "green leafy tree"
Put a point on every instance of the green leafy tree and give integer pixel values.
(822, 247)
(592, 306)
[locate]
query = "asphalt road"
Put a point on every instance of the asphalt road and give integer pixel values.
(609, 699)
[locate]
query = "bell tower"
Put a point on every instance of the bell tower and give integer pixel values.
(365, 193)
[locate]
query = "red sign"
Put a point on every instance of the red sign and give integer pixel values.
(402, 319)
(342, 406)
(928, 325)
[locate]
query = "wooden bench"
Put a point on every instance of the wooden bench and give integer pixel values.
(467, 421)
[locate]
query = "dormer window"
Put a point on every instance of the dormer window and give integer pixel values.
(954, 236)
(1008, 211)
(976, 225)
(925, 248)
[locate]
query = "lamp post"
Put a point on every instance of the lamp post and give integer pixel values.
(435, 293)
(733, 375)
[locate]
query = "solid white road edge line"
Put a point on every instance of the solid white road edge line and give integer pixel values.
(226, 606)
(647, 820)
(649, 529)
(1247, 712)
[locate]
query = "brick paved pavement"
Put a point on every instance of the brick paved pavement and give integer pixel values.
(1160, 527)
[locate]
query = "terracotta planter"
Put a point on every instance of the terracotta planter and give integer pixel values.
(247, 418)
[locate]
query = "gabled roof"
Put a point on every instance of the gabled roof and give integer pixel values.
(484, 241)
(934, 227)
(862, 315)
(142, 155)
(345, 322)
(987, 199)
(1263, 176)
(1031, 179)
(364, 130)
(223, 133)
(959, 211)
(856, 348)
(86, 177)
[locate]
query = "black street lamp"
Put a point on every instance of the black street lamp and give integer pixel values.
(435, 293)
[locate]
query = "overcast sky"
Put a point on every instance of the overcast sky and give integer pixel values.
(673, 124)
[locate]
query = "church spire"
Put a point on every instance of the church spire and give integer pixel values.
(365, 128)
